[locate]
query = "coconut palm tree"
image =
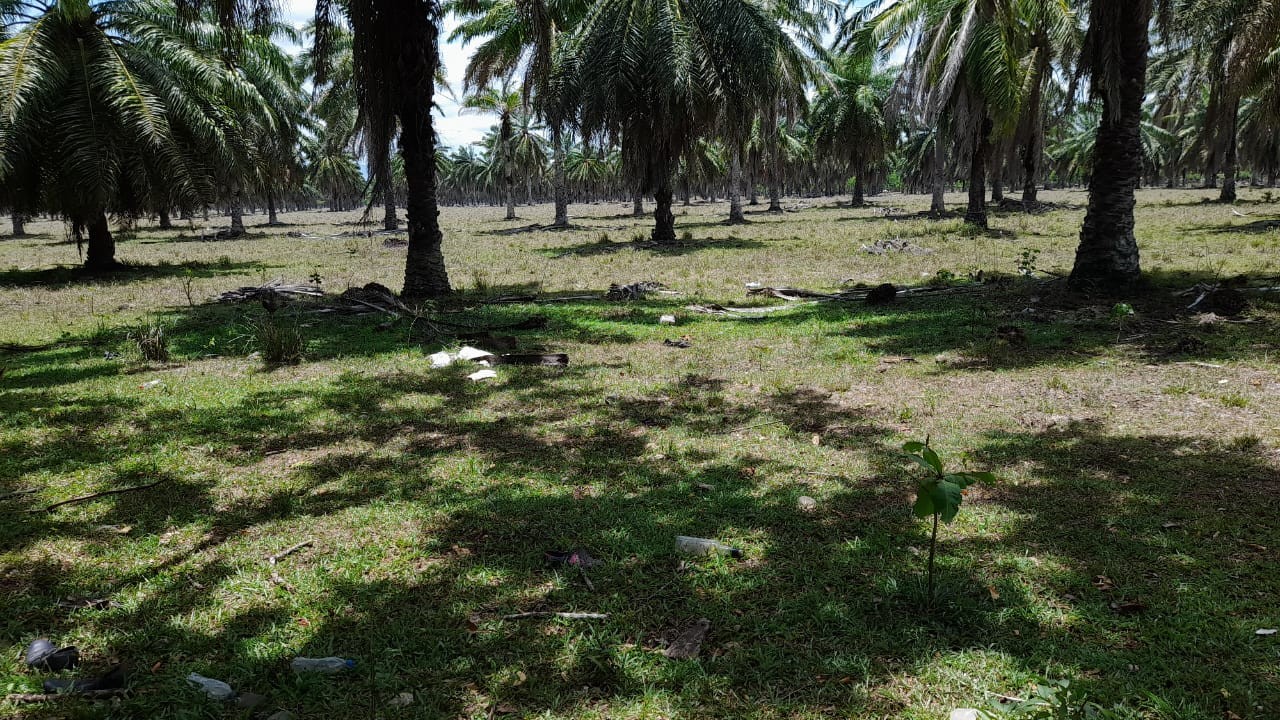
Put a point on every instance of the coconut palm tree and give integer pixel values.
(848, 118)
(107, 108)
(520, 37)
(658, 73)
(503, 102)
(1115, 53)
(966, 71)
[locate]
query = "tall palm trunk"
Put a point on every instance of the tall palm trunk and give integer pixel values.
(272, 217)
(386, 179)
(1108, 251)
(775, 175)
(735, 186)
(939, 206)
(101, 252)
(976, 213)
(753, 195)
(637, 204)
(237, 213)
(1228, 194)
(664, 222)
(561, 186)
(19, 223)
(857, 186)
(424, 270)
(1035, 132)
(511, 197)
(186, 214)
(166, 223)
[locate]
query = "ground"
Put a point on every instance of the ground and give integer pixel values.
(1128, 545)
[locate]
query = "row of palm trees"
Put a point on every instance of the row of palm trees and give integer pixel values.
(131, 106)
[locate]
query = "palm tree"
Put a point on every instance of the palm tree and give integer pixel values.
(657, 73)
(395, 57)
(967, 72)
(1115, 53)
(106, 108)
(521, 36)
(503, 102)
(848, 117)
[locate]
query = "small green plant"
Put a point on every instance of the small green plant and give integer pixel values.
(1027, 261)
(938, 493)
(188, 280)
(1057, 701)
(942, 278)
(1121, 311)
(224, 262)
(152, 341)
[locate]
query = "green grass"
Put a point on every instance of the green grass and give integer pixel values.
(1141, 450)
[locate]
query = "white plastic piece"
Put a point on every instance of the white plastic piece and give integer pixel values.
(485, 374)
(667, 320)
(469, 353)
(440, 359)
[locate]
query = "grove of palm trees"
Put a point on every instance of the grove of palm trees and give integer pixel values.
(763, 359)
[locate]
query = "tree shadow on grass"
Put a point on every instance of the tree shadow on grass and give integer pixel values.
(681, 247)
(430, 500)
(72, 275)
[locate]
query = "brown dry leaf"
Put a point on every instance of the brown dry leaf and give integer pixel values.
(1103, 583)
(520, 678)
(506, 709)
(817, 440)
(156, 668)
(473, 624)
(995, 594)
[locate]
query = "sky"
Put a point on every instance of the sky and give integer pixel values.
(454, 128)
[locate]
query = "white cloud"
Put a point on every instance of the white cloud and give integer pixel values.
(454, 128)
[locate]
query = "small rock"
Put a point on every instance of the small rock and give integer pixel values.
(806, 504)
(404, 699)
(667, 320)
(249, 701)
(963, 714)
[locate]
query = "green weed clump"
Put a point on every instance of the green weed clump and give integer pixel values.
(277, 341)
(152, 341)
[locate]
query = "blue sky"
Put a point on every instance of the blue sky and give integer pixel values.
(454, 128)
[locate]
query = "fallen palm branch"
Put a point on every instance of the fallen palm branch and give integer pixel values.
(269, 291)
(59, 697)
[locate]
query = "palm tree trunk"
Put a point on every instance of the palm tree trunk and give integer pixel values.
(664, 223)
(637, 204)
(272, 217)
(685, 198)
(19, 223)
(186, 214)
(386, 180)
(166, 223)
(1035, 133)
(753, 196)
(857, 187)
(775, 179)
(424, 270)
(939, 207)
(237, 214)
(101, 252)
(1108, 252)
(735, 186)
(511, 198)
(1228, 194)
(561, 187)
(976, 213)
(997, 174)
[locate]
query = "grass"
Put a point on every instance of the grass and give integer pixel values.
(1137, 456)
